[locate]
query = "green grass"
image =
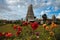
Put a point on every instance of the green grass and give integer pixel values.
(7, 28)
(26, 32)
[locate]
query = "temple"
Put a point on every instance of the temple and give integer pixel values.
(30, 13)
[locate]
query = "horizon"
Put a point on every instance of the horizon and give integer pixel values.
(17, 9)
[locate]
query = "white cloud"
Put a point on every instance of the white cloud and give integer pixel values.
(42, 12)
(45, 12)
(56, 8)
(12, 1)
(49, 3)
(19, 7)
(56, 4)
(58, 16)
(4, 8)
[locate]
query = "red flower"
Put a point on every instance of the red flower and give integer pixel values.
(18, 33)
(8, 34)
(1, 34)
(25, 23)
(37, 33)
(15, 26)
(19, 28)
(34, 25)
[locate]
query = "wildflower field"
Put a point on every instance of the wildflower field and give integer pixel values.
(33, 31)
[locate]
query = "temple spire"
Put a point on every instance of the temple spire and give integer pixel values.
(30, 13)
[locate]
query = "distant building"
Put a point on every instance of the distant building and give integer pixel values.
(30, 14)
(53, 18)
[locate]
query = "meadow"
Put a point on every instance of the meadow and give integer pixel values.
(28, 34)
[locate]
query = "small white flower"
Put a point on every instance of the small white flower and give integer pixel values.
(37, 36)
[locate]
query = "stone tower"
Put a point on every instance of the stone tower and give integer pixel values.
(30, 14)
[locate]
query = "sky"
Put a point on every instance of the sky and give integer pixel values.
(17, 9)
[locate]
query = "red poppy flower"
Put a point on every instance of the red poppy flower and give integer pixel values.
(1, 34)
(15, 26)
(18, 33)
(34, 25)
(8, 34)
(19, 28)
(25, 23)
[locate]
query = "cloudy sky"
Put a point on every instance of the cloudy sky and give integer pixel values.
(17, 9)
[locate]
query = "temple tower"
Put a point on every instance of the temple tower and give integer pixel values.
(30, 14)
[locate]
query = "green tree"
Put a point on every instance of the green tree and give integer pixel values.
(44, 16)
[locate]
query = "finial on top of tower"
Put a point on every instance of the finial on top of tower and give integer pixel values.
(30, 4)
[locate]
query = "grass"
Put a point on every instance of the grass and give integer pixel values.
(7, 28)
(26, 32)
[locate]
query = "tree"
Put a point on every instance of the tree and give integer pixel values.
(44, 16)
(34, 17)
